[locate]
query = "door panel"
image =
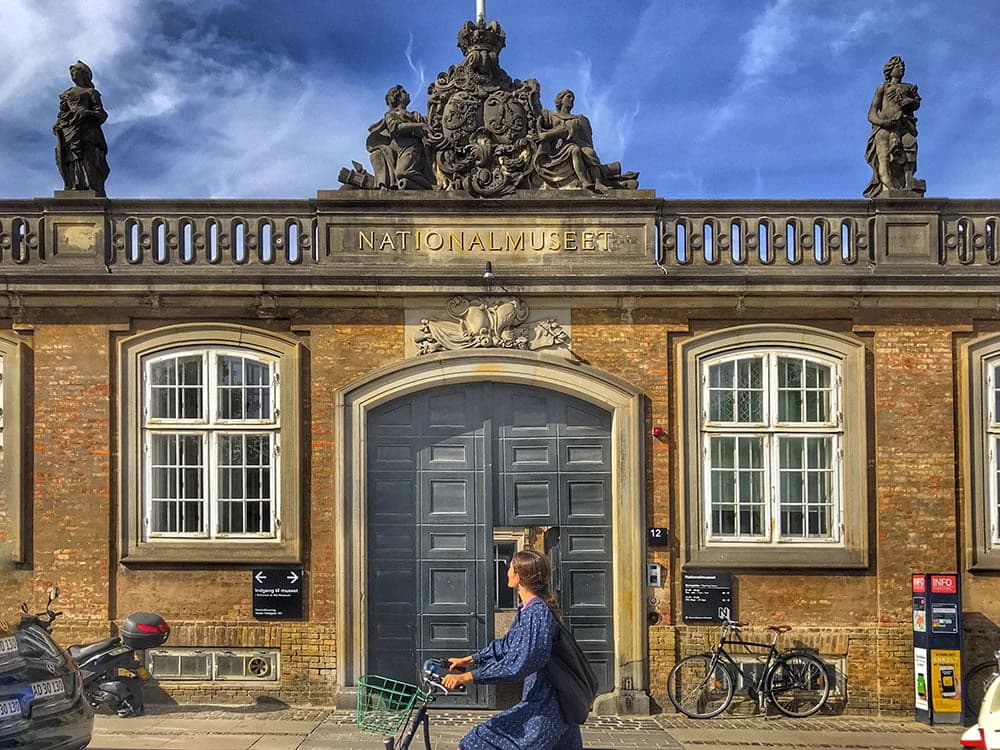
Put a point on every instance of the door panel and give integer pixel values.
(447, 465)
(584, 499)
(449, 543)
(531, 499)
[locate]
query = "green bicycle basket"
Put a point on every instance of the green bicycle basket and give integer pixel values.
(384, 704)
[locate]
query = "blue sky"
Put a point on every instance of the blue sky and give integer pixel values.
(705, 98)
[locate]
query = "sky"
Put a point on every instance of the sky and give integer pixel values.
(705, 98)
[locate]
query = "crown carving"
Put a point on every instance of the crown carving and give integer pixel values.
(479, 36)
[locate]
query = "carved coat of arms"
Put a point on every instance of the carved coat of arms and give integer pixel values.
(485, 323)
(485, 133)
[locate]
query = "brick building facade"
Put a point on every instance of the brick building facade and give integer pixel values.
(822, 374)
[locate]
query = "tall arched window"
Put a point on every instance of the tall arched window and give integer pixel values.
(771, 435)
(982, 474)
(775, 448)
(210, 444)
(11, 468)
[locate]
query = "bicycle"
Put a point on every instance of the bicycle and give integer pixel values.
(975, 684)
(384, 705)
(794, 681)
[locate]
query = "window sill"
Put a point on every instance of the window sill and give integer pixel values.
(212, 552)
(745, 556)
(986, 560)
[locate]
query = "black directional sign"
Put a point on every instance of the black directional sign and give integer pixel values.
(707, 596)
(277, 593)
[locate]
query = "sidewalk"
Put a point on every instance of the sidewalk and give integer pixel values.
(278, 727)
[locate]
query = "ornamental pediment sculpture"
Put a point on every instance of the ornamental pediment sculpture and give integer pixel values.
(488, 323)
(484, 133)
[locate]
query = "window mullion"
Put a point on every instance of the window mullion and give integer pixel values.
(773, 479)
(210, 461)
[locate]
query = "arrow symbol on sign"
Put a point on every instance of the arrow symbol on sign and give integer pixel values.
(260, 577)
(292, 577)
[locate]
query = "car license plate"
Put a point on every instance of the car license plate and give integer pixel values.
(8, 646)
(48, 688)
(10, 709)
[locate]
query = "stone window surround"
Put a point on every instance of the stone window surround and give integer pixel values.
(286, 548)
(535, 369)
(11, 357)
(976, 357)
(852, 552)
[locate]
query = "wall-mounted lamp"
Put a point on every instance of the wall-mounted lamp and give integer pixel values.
(488, 274)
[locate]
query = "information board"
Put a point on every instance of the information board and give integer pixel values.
(707, 596)
(277, 593)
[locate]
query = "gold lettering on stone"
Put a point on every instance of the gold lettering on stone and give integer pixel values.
(454, 241)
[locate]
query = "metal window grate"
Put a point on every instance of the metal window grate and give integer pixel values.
(218, 664)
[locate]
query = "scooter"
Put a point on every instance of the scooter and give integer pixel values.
(112, 673)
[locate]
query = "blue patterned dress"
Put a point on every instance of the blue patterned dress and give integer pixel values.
(536, 723)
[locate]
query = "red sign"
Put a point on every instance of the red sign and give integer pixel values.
(944, 584)
(919, 583)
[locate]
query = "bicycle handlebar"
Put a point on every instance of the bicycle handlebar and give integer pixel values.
(432, 672)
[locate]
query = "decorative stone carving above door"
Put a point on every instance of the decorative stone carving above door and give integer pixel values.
(489, 323)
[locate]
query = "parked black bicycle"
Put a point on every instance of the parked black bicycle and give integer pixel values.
(794, 681)
(384, 705)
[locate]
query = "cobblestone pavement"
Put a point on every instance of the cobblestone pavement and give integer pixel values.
(276, 726)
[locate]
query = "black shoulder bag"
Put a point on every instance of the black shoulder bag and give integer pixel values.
(571, 675)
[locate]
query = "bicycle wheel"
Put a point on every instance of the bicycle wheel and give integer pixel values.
(798, 685)
(700, 686)
(974, 686)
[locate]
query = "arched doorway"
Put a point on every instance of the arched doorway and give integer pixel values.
(551, 375)
(455, 474)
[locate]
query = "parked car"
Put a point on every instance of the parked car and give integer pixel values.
(42, 702)
(985, 733)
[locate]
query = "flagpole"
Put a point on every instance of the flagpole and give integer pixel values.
(480, 11)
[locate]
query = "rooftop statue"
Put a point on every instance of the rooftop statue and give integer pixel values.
(81, 151)
(567, 157)
(400, 157)
(892, 145)
(487, 134)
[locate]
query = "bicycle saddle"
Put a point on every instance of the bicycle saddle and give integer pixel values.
(780, 628)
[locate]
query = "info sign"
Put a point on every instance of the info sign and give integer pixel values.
(937, 647)
(707, 596)
(277, 593)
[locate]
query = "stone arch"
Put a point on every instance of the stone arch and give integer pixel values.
(622, 400)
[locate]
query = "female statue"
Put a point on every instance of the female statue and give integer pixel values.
(399, 156)
(892, 145)
(81, 151)
(566, 157)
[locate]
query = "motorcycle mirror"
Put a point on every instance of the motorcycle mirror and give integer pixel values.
(54, 594)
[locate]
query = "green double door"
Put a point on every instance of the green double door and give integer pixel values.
(448, 468)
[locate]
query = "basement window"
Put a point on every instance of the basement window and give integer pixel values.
(214, 665)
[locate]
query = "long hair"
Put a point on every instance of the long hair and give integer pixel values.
(535, 571)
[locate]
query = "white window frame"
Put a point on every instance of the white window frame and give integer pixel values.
(211, 427)
(769, 430)
(849, 548)
(280, 544)
(991, 438)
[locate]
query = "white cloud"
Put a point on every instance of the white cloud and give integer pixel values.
(768, 41)
(45, 36)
